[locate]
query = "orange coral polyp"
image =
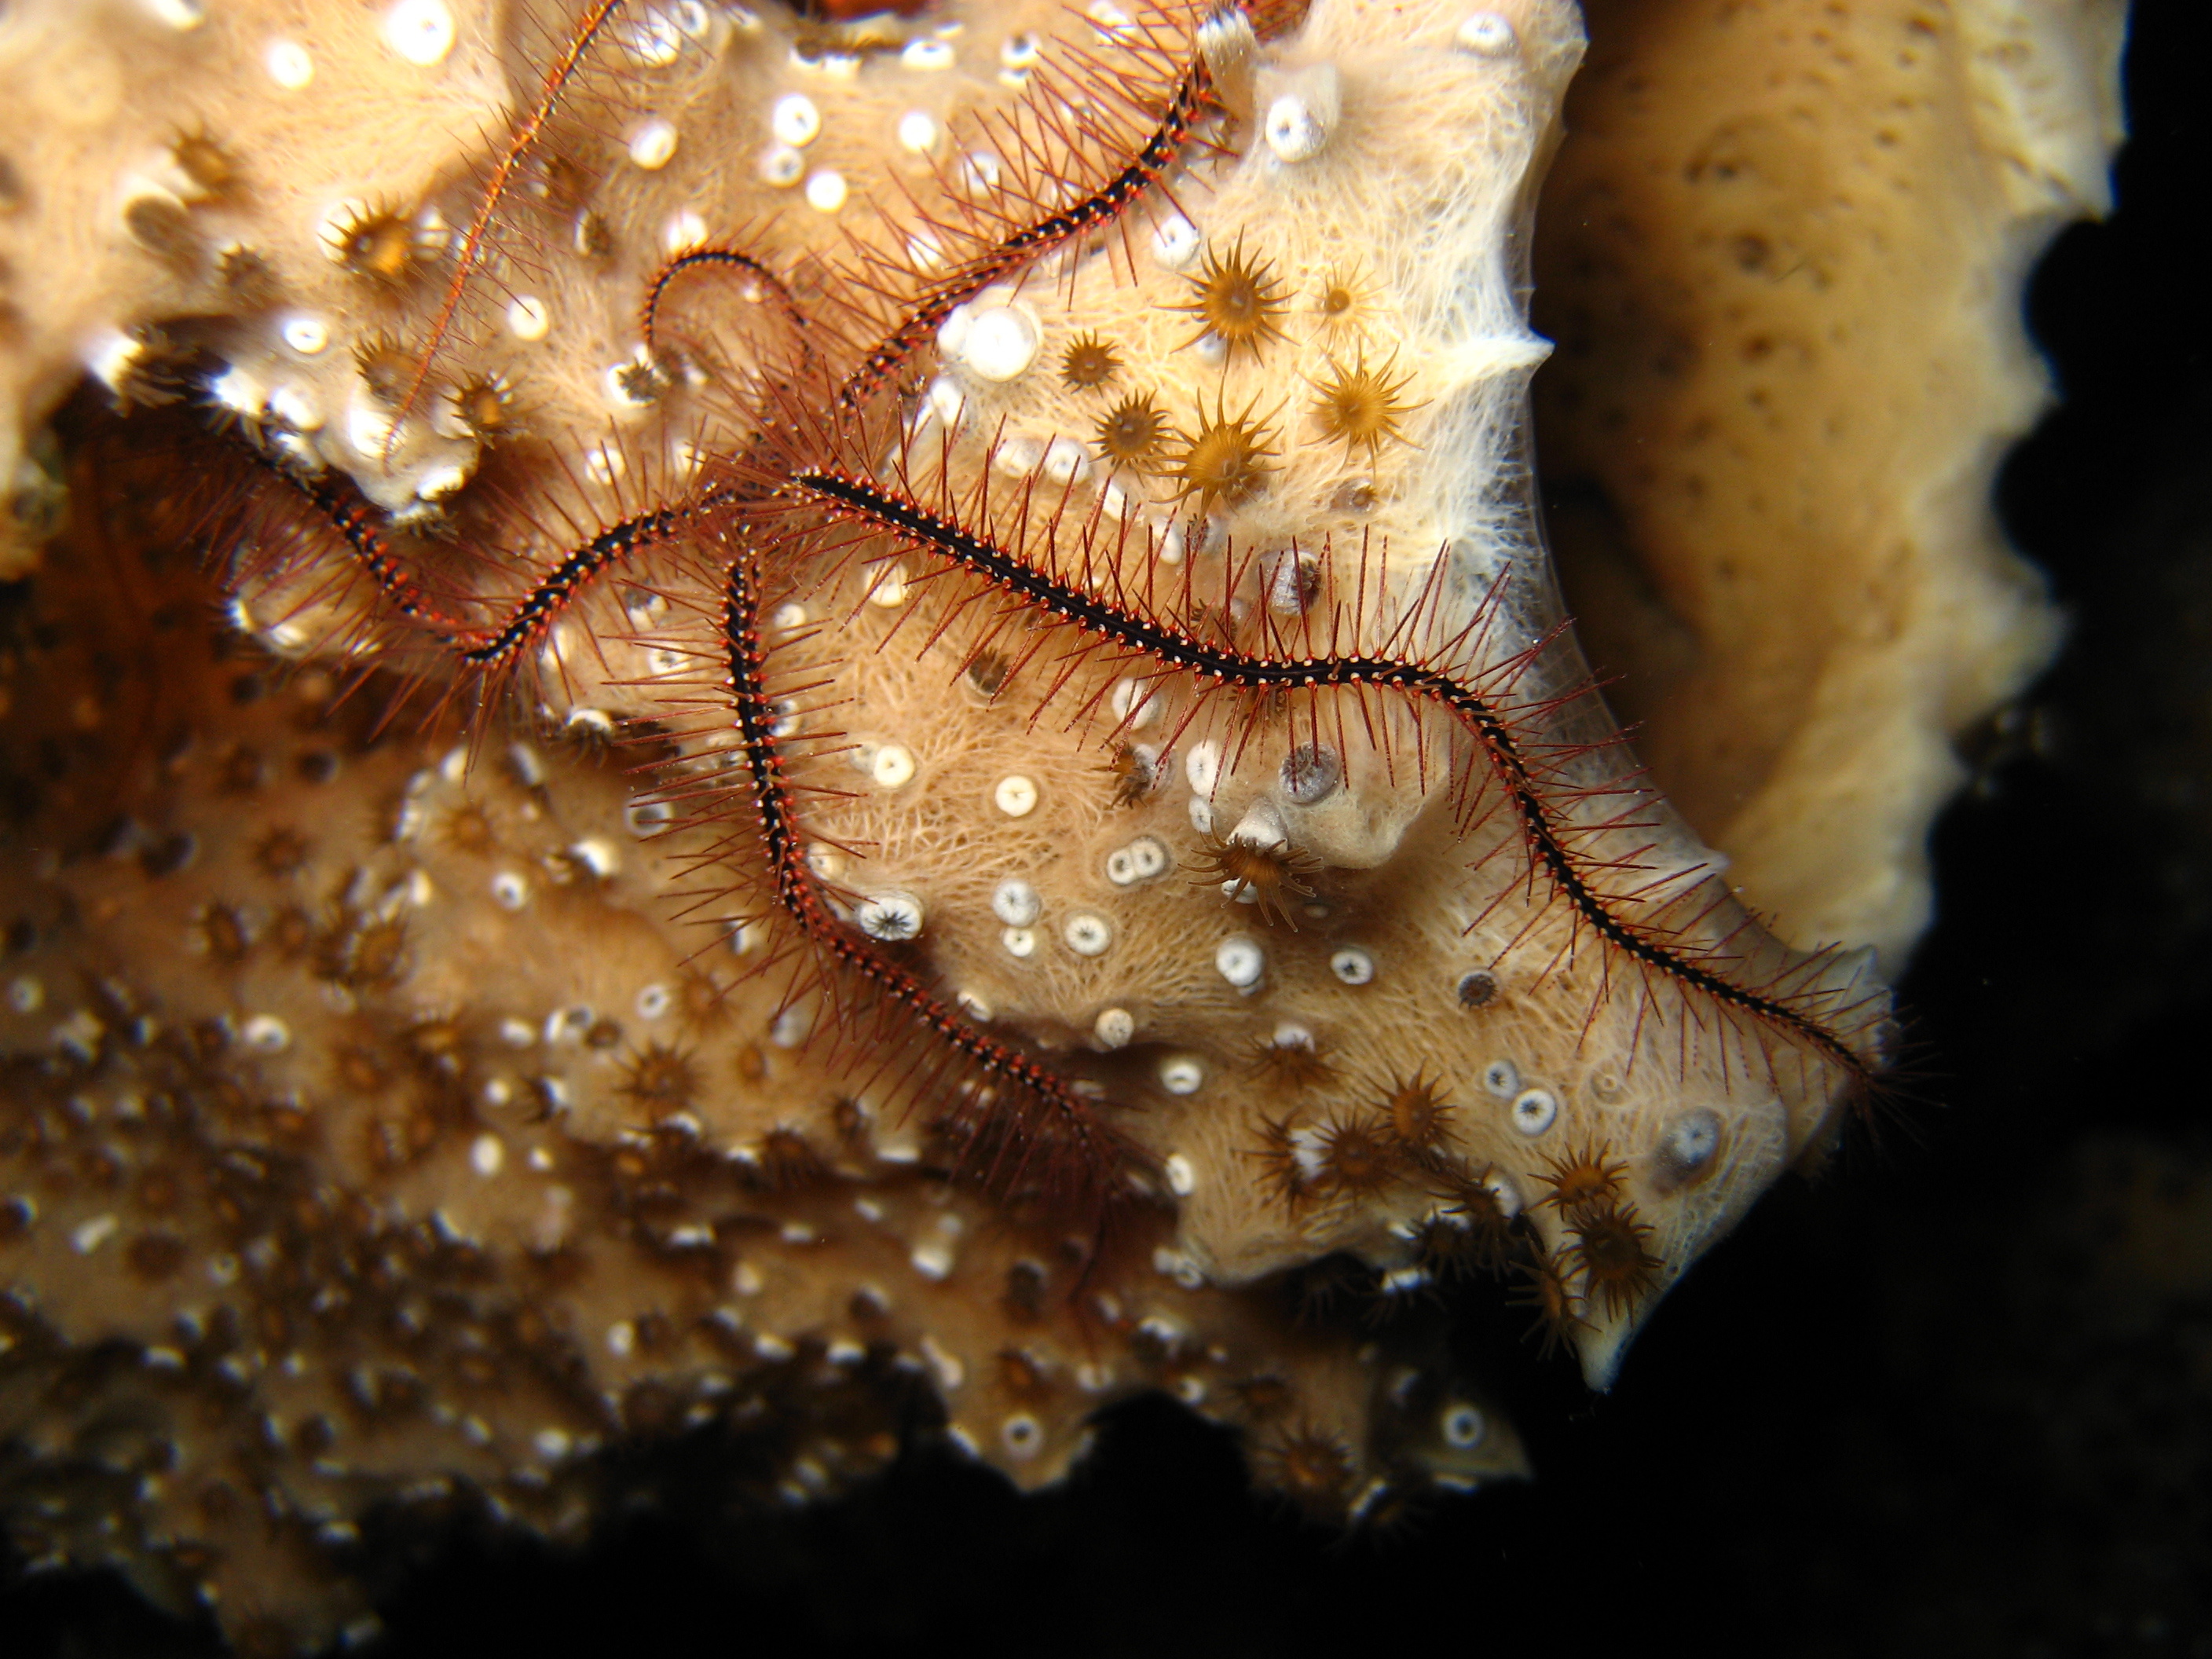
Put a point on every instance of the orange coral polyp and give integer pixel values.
(1225, 461)
(1354, 1157)
(1582, 1178)
(1420, 1116)
(1611, 1250)
(1089, 362)
(1236, 298)
(380, 245)
(1274, 874)
(1133, 433)
(1360, 406)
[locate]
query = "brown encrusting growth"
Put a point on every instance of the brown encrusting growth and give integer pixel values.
(533, 1185)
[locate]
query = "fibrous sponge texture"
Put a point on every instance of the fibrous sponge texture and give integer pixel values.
(888, 721)
(1786, 251)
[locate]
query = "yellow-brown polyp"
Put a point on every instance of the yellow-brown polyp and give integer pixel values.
(397, 1106)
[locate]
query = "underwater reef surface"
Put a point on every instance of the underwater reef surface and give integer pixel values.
(1972, 1411)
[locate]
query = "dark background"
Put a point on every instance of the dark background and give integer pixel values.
(1956, 1399)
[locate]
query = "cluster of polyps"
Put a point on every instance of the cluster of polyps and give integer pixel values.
(1220, 519)
(377, 1136)
(1151, 704)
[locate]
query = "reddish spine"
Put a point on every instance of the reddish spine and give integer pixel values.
(359, 525)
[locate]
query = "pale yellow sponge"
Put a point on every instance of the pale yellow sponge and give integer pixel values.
(799, 716)
(295, 188)
(150, 163)
(1272, 751)
(371, 1107)
(1784, 255)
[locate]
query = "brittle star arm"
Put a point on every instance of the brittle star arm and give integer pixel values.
(1568, 873)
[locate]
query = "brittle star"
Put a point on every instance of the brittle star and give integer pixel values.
(784, 512)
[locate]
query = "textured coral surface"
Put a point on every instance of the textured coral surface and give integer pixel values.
(1122, 852)
(379, 1187)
